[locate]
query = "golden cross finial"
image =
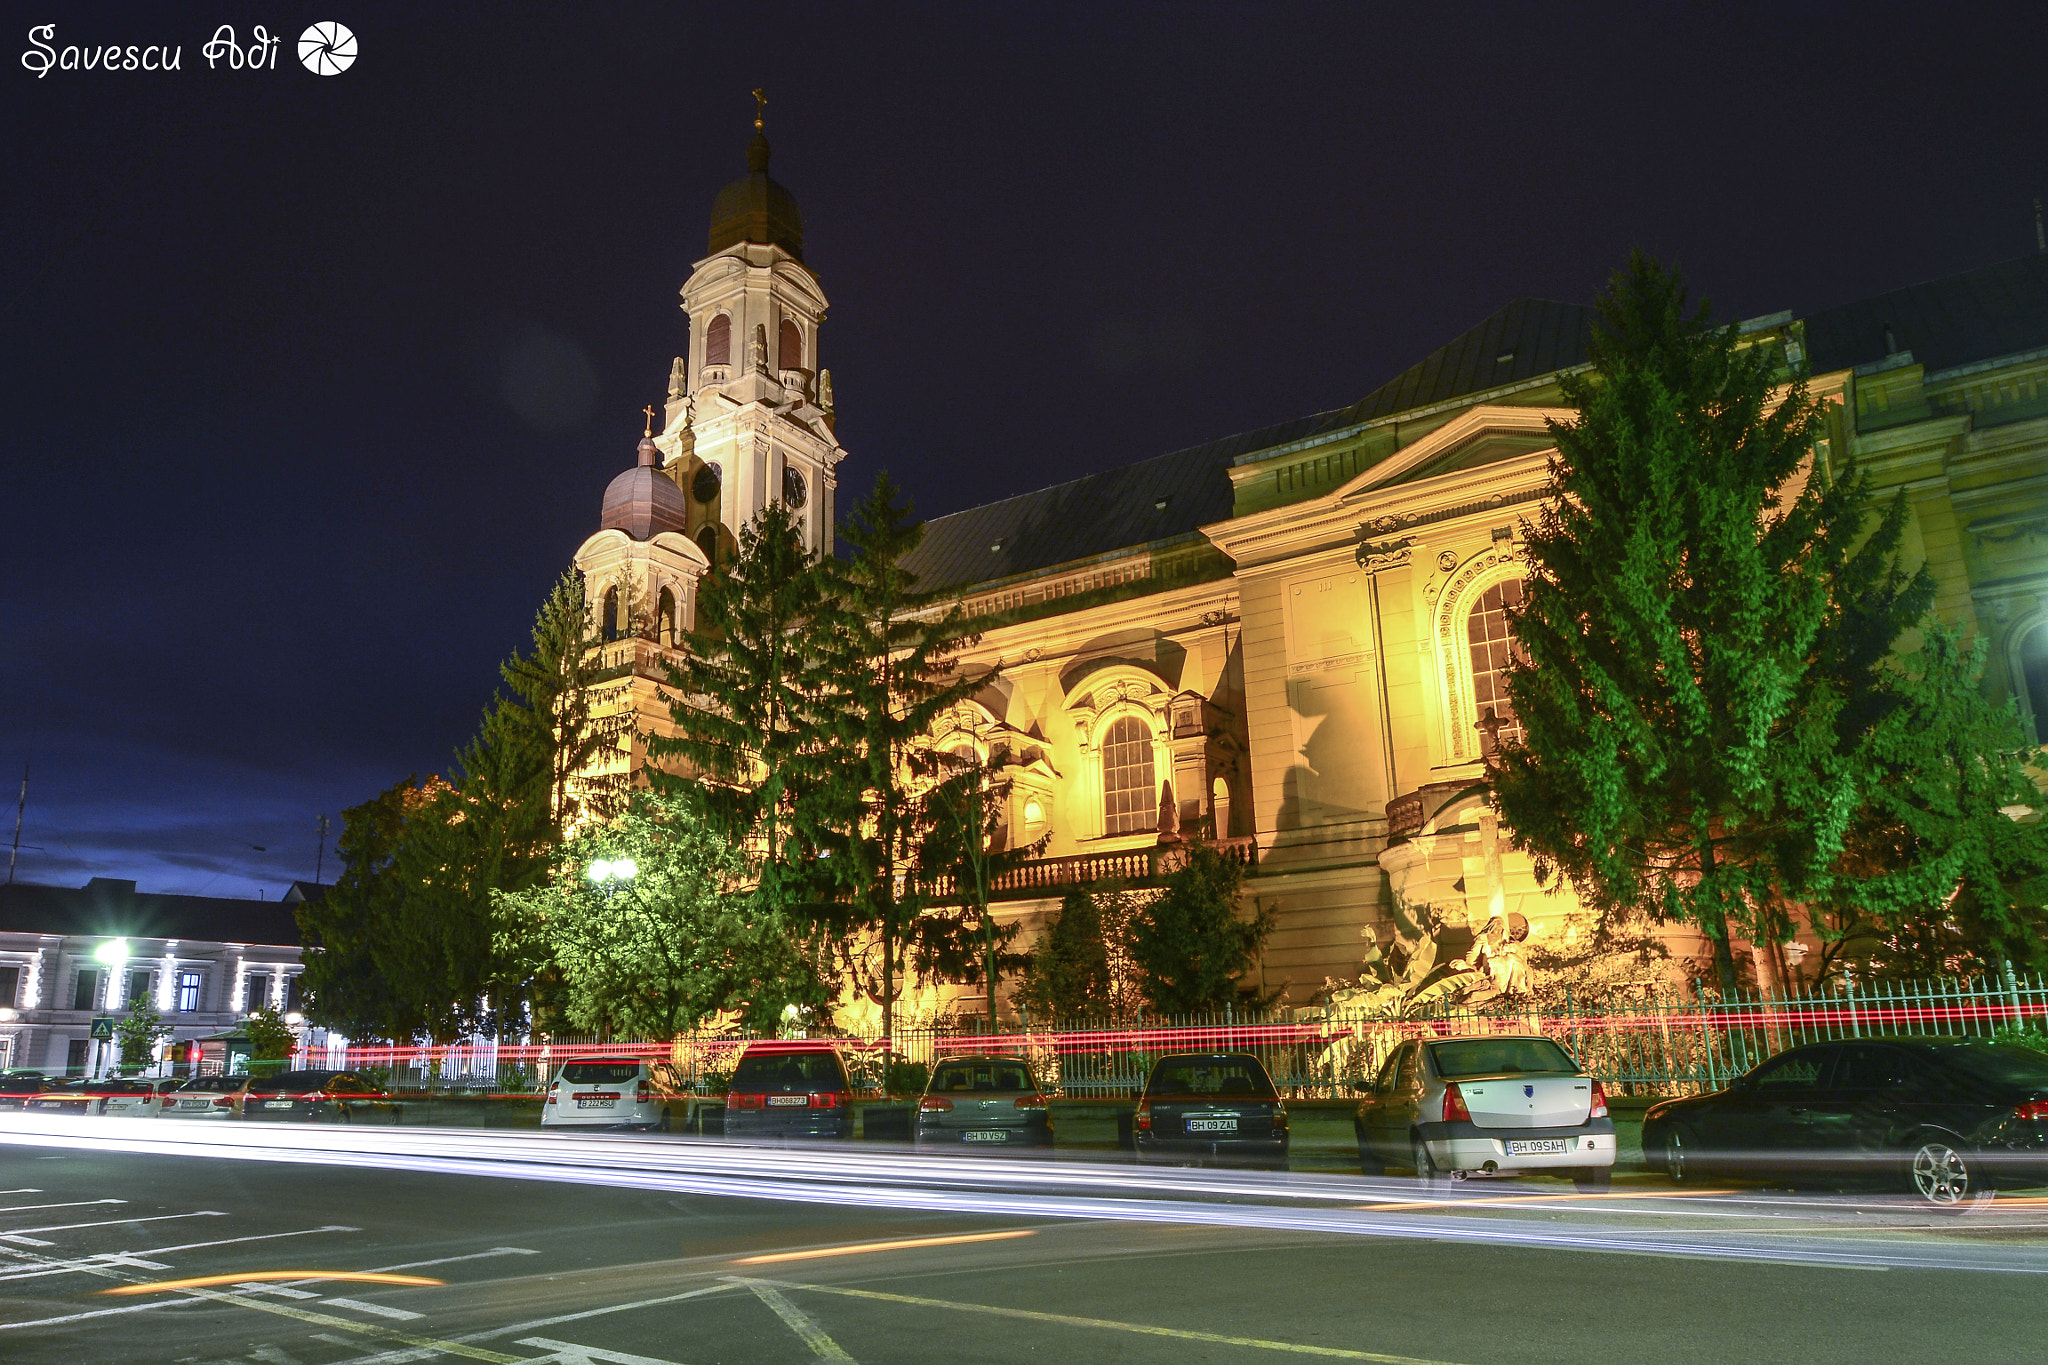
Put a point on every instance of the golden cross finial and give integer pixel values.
(760, 107)
(649, 410)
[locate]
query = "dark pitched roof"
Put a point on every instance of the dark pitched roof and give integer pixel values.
(1992, 311)
(1115, 510)
(114, 909)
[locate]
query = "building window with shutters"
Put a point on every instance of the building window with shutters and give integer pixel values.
(255, 992)
(86, 990)
(138, 988)
(789, 346)
(718, 341)
(1486, 632)
(1130, 800)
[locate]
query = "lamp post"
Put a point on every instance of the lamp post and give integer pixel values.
(608, 873)
(113, 953)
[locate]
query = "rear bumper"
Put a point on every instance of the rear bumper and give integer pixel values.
(1266, 1152)
(626, 1116)
(827, 1125)
(1027, 1135)
(1466, 1146)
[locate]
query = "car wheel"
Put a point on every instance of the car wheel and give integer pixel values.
(1940, 1174)
(341, 1116)
(1425, 1166)
(1593, 1179)
(1680, 1157)
(666, 1121)
(1368, 1162)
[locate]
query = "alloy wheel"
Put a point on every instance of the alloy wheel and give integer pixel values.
(1940, 1175)
(1425, 1168)
(1677, 1157)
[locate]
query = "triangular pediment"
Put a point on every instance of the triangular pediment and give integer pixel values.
(1487, 434)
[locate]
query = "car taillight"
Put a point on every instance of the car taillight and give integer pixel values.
(935, 1103)
(1599, 1102)
(2033, 1111)
(224, 1102)
(1454, 1104)
(744, 1101)
(1143, 1119)
(828, 1099)
(1031, 1102)
(551, 1091)
(645, 1094)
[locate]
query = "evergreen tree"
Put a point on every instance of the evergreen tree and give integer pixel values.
(1068, 976)
(1678, 594)
(965, 844)
(671, 945)
(344, 987)
(1189, 946)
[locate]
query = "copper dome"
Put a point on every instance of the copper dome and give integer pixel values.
(754, 208)
(643, 502)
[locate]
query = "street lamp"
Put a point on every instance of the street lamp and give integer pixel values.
(112, 951)
(608, 874)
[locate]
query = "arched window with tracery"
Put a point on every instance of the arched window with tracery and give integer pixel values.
(665, 620)
(1130, 797)
(610, 624)
(1486, 631)
(718, 341)
(789, 346)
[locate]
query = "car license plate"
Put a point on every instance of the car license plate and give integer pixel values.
(985, 1135)
(597, 1101)
(1539, 1147)
(1212, 1125)
(789, 1101)
(277, 1104)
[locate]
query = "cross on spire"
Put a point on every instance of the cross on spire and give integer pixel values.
(649, 410)
(760, 107)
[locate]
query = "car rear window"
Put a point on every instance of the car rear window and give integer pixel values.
(1223, 1077)
(290, 1083)
(954, 1078)
(212, 1085)
(789, 1073)
(2003, 1064)
(1495, 1056)
(600, 1073)
(20, 1085)
(124, 1088)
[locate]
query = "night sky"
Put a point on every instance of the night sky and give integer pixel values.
(313, 384)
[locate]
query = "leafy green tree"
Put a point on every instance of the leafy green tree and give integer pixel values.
(343, 983)
(271, 1039)
(965, 844)
(1679, 589)
(1190, 946)
(676, 943)
(1068, 973)
(136, 1037)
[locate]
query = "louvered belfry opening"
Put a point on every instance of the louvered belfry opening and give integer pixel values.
(718, 341)
(789, 346)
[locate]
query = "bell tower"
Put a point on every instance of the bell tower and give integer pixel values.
(749, 417)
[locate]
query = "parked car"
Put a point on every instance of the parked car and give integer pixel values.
(1503, 1105)
(206, 1097)
(17, 1088)
(1210, 1107)
(1941, 1117)
(317, 1097)
(137, 1097)
(78, 1096)
(982, 1102)
(796, 1089)
(610, 1092)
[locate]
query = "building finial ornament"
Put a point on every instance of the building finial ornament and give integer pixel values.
(649, 411)
(760, 108)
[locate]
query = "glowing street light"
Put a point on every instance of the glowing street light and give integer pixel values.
(112, 951)
(604, 871)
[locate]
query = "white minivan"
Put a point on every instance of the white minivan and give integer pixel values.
(608, 1092)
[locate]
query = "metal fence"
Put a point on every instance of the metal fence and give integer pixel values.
(1668, 1044)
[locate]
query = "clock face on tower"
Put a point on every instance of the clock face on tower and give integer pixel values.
(705, 485)
(795, 492)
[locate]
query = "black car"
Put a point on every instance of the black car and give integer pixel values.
(17, 1088)
(1942, 1117)
(318, 1097)
(983, 1102)
(789, 1090)
(76, 1097)
(1210, 1107)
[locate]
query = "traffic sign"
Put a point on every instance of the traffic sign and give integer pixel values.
(103, 1027)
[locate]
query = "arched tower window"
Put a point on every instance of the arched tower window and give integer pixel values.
(665, 621)
(1130, 798)
(2033, 678)
(610, 624)
(707, 541)
(789, 346)
(1486, 631)
(718, 341)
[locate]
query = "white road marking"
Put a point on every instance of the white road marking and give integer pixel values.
(799, 1322)
(598, 1312)
(451, 1260)
(569, 1353)
(21, 1236)
(73, 1204)
(96, 1313)
(23, 1190)
(89, 1264)
(283, 1291)
(273, 1355)
(380, 1310)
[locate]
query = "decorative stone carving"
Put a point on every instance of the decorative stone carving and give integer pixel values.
(678, 381)
(1384, 554)
(825, 389)
(757, 349)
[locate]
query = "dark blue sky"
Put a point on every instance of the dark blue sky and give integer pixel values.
(268, 519)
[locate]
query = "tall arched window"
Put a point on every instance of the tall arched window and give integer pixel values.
(718, 341)
(2033, 679)
(610, 624)
(789, 346)
(1486, 629)
(1130, 799)
(665, 622)
(707, 541)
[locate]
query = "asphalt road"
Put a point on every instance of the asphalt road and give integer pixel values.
(223, 1257)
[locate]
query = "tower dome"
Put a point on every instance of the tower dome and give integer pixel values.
(643, 502)
(754, 208)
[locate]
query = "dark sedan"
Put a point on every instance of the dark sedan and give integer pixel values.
(1941, 1117)
(789, 1090)
(983, 1102)
(318, 1097)
(74, 1097)
(17, 1088)
(1201, 1108)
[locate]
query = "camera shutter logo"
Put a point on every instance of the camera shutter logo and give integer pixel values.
(327, 49)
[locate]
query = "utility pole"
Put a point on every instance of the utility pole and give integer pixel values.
(320, 862)
(19, 807)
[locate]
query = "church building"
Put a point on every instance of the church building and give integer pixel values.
(1291, 641)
